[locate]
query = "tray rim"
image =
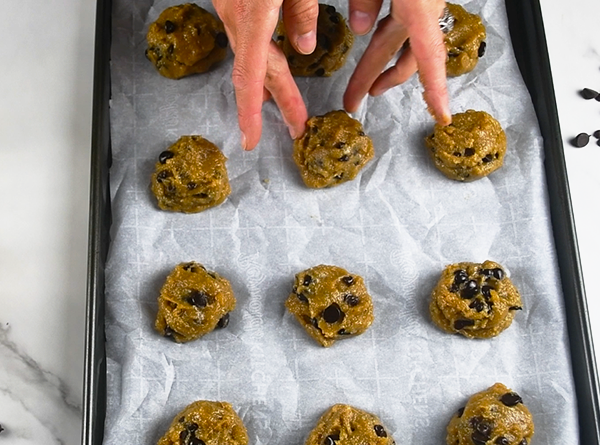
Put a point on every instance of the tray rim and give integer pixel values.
(527, 29)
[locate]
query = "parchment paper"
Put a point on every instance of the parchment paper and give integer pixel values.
(398, 224)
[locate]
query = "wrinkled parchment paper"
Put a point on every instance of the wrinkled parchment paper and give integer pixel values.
(398, 224)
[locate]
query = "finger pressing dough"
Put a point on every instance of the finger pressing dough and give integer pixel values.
(332, 150)
(465, 43)
(470, 148)
(495, 416)
(346, 425)
(190, 176)
(330, 303)
(334, 40)
(475, 300)
(206, 423)
(184, 40)
(193, 301)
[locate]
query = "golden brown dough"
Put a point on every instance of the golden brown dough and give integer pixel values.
(465, 43)
(470, 148)
(190, 176)
(332, 150)
(193, 301)
(184, 40)
(334, 40)
(495, 416)
(206, 423)
(475, 300)
(330, 303)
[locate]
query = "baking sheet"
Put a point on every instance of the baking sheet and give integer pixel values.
(397, 225)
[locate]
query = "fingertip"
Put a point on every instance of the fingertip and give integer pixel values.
(361, 22)
(307, 42)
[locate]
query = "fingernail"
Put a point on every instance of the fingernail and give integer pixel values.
(243, 141)
(360, 22)
(307, 42)
(377, 91)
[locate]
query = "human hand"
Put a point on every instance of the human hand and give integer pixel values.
(414, 19)
(260, 70)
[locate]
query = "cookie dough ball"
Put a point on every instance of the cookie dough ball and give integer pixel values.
(332, 150)
(346, 425)
(206, 423)
(475, 300)
(330, 303)
(495, 416)
(185, 40)
(471, 147)
(190, 176)
(465, 43)
(192, 302)
(334, 40)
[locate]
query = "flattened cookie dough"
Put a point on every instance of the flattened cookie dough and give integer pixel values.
(332, 150)
(465, 43)
(334, 40)
(190, 176)
(475, 300)
(206, 423)
(470, 148)
(346, 425)
(184, 40)
(193, 301)
(495, 416)
(330, 303)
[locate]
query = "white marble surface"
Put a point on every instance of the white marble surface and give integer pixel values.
(45, 125)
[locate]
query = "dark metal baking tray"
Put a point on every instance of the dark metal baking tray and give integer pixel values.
(529, 43)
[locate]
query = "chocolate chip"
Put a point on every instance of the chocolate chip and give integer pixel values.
(597, 134)
(191, 185)
(201, 195)
(320, 72)
(457, 154)
(313, 66)
(197, 298)
(291, 59)
(1, 428)
(280, 38)
(474, 421)
(324, 41)
(470, 290)
(331, 439)
(183, 435)
(361, 133)
(162, 175)
(192, 427)
(146, 54)
(193, 440)
(333, 313)
(330, 9)
(523, 442)
(224, 321)
(460, 276)
(380, 430)
(344, 158)
(460, 411)
(169, 26)
(486, 291)
(344, 332)
(482, 433)
(169, 333)
(170, 49)
(181, 419)
(481, 50)
(302, 298)
(469, 151)
(314, 322)
(478, 305)
(515, 308)
(463, 323)
(588, 94)
(165, 156)
(339, 176)
(498, 273)
(501, 441)
(488, 158)
(454, 52)
(581, 140)
(190, 267)
(307, 280)
(334, 18)
(351, 300)
(348, 280)
(221, 40)
(511, 399)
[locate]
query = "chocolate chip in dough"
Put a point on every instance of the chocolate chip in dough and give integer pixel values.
(331, 439)
(380, 431)
(307, 280)
(351, 299)
(511, 399)
(348, 280)
(221, 40)
(198, 299)
(165, 156)
(333, 313)
(463, 323)
(224, 321)
(481, 50)
(169, 27)
(501, 441)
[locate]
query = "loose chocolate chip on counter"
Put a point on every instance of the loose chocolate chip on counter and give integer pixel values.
(197, 298)
(169, 26)
(1, 428)
(481, 50)
(463, 323)
(165, 156)
(581, 140)
(320, 72)
(221, 40)
(351, 299)
(597, 134)
(331, 439)
(460, 411)
(380, 430)
(348, 280)
(224, 321)
(471, 289)
(502, 441)
(588, 94)
(332, 313)
(469, 152)
(511, 399)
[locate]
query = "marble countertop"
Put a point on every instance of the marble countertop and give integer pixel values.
(45, 128)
